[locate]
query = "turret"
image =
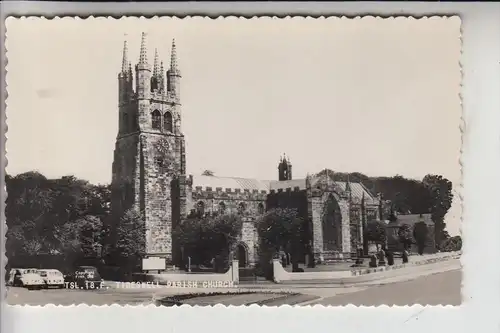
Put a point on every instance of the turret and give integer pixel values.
(174, 75)
(124, 78)
(143, 72)
(284, 169)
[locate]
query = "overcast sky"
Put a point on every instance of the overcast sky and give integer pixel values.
(377, 96)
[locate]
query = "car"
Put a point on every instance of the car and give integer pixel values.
(52, 278)
(25, 277)
(84, 277)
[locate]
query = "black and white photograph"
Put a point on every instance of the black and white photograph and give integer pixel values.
(268, 161)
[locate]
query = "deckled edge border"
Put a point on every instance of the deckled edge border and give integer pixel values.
(4, 160)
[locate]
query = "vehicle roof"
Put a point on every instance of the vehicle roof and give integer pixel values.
(49, 270)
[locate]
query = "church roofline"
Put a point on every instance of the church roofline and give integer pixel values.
(252, 185)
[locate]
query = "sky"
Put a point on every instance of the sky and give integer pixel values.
(370, 95)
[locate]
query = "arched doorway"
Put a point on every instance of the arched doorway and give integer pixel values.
(332, 225)
(241, 255)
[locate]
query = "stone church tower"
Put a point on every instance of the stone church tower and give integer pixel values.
(149, 164)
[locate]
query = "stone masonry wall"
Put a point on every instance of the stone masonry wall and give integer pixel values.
(125, 185)
(231, 198)
(346, 226)
(254, 206)
(318, 199)
(249, 238)
(160, 168)
(316, 212)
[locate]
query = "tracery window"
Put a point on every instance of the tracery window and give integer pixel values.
(168, 122)
(156, 120)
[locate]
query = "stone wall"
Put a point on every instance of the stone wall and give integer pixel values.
(249, 238)
(161, 166)
(231, 199)
(125, 186)
(318, 199)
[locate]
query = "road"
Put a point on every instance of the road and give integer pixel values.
(434, 289)
(442, 288)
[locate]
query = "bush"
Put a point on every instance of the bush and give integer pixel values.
(452, 244)
(376, 232)
(405, 236)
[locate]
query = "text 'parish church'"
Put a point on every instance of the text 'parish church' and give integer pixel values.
(149, 174)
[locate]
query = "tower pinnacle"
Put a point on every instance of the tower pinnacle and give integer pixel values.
(143, 57)
(125, 58)
(156, 65)
(173, 57)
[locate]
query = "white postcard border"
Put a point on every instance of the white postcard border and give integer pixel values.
(480, 160)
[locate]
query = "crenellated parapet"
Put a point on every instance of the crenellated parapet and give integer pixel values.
(286, 189)
(228, 193)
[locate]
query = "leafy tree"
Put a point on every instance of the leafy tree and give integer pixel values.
(281, 228)
(90, 234)
(131, 234)
(405, 236)
(375, 231)
(208, 236)
(441, 194)
(208, 173)
(420, 233)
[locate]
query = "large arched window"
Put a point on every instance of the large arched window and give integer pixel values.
(167, 122)
(222, 207)
(156, 120)
(261, 208)
(332, 225)
(200, 208)
(241, 208)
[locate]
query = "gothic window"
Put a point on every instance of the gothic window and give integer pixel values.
(261, 208)
(156, 120)
(154, 84)
(167, 122)
(200, 208)
(354, 215)
(241, 208)
(331, 225)
(222, 208)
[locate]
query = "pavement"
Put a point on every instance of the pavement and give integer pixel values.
(437, 283)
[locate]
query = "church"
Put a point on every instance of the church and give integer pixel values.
(149, 174)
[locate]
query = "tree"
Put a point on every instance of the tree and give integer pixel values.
(420, 233)
(208, 173)
(131, 239)
(90, 235)
(375, 231)
(405, 236)
(281, 229)
(440, 190)
(208, 236)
